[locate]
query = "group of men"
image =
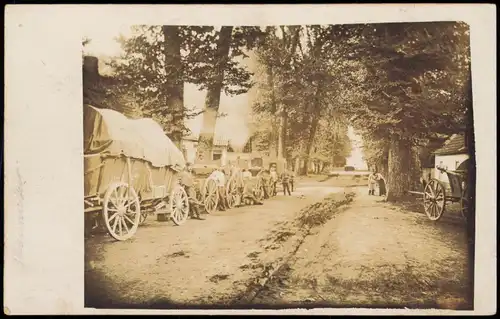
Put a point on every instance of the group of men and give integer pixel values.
(271, 178)
(248, 190)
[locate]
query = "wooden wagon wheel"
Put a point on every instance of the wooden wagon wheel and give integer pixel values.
(434, 199)
(465, 203)
(179, 205)
(233, 191)
(121, 211)
(210, 196)
(259, 187)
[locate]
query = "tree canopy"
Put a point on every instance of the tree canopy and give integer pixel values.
(401, 85)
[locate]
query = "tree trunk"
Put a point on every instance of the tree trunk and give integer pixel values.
(399, 165)
(314, 125)
(174, 88)
(295, 30)
(415, 169)
(212, 100)
(296, 167)
(274, 136)
(284, 125)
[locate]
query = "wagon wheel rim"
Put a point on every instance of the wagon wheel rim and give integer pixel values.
(121, 211)
(434, 200)
(464, 204)
(259, 191)
(179, 205)
(211, 196)
(232, 194)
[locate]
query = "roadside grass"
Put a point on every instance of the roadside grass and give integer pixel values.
(309, 217)
(382, 287)
(321, 212)
(443, 284)
(409, 287)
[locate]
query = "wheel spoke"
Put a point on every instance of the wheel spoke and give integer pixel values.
(431, 209)
(436, 210)
(113, 216)
(120, 226)
(129, 203)
(122, 194)
(125, 224)
(431, 189)
(117, 196)
(130, 220)
(113, 202)
(439, 191)
(115, 224)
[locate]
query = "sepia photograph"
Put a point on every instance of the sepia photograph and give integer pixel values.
(250, 159)
(280, 166)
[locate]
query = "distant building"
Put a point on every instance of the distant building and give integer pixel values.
(242, 157)
(453, 153)
(189, 145)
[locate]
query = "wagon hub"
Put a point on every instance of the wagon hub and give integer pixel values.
(122, 210)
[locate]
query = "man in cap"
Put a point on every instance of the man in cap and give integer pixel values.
(285, 180)
(249, 187)
(186, 179)
(220, 181)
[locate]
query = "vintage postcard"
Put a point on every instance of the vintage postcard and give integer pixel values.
(262, 159)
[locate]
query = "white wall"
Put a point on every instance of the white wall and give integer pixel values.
(244, 158)
(224, 156)
(190, 150)
(450, 162)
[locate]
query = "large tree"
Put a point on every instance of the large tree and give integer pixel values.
(219, 60)
(301, 87)
(413, 90)
(158, 60)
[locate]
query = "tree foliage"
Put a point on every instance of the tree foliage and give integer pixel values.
(305, 63)
(401, 85)
(144, 77)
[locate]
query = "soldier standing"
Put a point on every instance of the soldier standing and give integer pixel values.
(285, 180)
(292, 179)
(187, 181)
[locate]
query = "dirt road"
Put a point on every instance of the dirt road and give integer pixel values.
(291, 250)
(375, 254)
(200, 262)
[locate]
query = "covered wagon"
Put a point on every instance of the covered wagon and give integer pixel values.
(131, 171)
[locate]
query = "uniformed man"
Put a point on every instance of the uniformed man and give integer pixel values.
(187, 181)
(220, 180)
(292, 179)
(285, 180)
(249, 187)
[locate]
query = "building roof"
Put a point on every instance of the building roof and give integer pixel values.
(191, 138)
(221, 141)
(454, 145)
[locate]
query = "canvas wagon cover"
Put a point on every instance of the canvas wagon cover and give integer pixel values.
(108, 131)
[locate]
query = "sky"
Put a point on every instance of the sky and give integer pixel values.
(234, 125)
